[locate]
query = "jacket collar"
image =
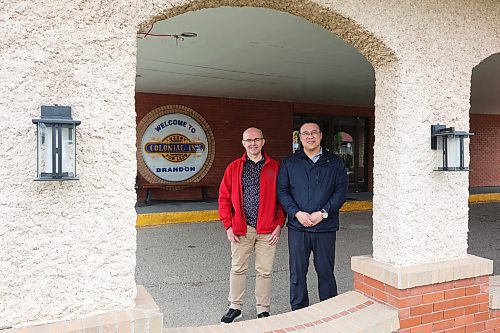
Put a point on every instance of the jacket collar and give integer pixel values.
(266, 157)
(325, 154)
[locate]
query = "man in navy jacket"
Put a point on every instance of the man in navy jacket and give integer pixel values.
(312, 186)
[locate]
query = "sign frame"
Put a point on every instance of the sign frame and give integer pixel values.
(152, 116)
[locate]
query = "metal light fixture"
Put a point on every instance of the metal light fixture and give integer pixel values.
(451, 143)
(181, 36)
(56, 144)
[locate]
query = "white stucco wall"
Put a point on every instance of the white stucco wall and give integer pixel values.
(420, 215)
(68, 249)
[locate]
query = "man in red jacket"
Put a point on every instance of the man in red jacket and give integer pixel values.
(253, 218)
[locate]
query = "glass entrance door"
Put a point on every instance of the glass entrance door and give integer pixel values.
(347, 137)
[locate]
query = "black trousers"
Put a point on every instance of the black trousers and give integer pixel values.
(300, 245)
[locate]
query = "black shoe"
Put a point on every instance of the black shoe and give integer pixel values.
(263, 314)
(230, 316)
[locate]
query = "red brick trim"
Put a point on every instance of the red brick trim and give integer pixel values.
(455, 306)
(327, 319)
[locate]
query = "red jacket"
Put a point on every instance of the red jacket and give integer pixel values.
(231, 210)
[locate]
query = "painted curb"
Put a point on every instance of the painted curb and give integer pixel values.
(484, 197)
(159, 219)
(356, 206)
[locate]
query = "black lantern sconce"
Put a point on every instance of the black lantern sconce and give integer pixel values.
(56, 144)
(451, 143)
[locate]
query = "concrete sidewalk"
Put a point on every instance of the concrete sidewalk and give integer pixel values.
(174, 212)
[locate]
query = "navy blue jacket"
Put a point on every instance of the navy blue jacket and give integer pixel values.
(309, 187)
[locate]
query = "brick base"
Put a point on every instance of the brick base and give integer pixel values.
(455, 306)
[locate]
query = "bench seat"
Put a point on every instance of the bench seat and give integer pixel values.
(203, 186)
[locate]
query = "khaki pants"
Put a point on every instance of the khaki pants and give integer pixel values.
(264, 259)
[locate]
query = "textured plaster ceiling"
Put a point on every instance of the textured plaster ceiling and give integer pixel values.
(264, 54)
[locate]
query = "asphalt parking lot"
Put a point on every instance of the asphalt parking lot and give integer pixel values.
(185, 267)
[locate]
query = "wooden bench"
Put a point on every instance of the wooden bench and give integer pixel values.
(177, 187)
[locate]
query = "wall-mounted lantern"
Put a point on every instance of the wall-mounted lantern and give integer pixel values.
(56, 144)
(451, 143)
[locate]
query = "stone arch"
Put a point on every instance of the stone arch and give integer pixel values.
(370, 46)
(373, 48)
(384, 59)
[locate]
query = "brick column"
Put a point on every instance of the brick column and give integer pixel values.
(446, 297)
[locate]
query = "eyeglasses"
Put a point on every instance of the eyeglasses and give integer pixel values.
(256, 140)
(312, 133)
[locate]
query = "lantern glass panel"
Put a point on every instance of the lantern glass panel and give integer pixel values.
(440, 152)
(56, 151)
(44, 150)
(68, 151)
(453, 152)
(449, 144)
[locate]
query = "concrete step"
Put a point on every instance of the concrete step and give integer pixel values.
(350, 312)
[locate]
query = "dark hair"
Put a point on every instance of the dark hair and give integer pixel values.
(310, 120)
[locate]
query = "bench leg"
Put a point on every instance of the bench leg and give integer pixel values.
(148, 196)
(204, 193)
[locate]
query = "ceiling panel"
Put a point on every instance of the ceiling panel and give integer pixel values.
(253, 53)
(264, 54)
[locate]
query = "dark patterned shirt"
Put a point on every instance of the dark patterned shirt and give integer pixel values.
(250, 180)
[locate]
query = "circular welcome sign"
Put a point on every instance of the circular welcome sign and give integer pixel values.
(174, 146)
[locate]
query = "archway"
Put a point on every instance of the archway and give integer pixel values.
(347, 29)
(83, 55)
(337, 26)
(484, 176)
(485, 123)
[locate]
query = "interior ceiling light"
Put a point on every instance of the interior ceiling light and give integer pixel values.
(189, 34)
(181, 36)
